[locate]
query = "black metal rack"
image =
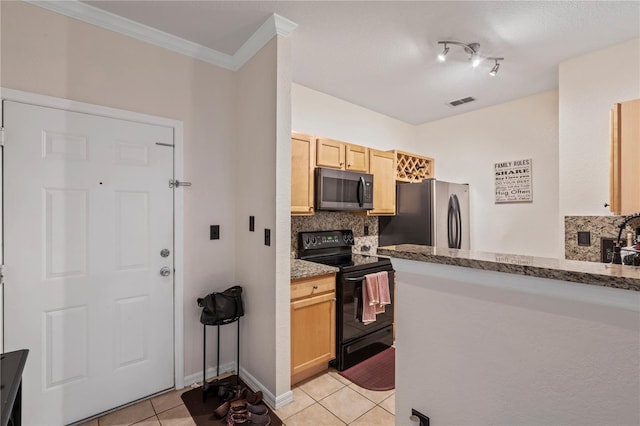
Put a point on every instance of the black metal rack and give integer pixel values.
(215, 384)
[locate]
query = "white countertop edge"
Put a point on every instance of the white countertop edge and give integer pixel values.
(592, 294)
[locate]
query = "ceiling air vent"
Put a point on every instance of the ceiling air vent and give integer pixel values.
(461, 101)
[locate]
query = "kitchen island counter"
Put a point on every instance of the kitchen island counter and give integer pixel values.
(305, 269)
(509, 334)
(600, 274)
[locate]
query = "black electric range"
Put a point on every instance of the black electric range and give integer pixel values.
(355, 341)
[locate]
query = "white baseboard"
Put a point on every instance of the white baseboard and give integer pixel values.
(248, 378)
(272, 400)
(228, 367)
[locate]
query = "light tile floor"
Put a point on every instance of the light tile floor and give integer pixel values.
(327, 399)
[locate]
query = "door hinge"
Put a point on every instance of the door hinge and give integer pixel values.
(177, 184)
(2, 136)
(1, 274)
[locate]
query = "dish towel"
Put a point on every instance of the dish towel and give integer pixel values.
(375, 295)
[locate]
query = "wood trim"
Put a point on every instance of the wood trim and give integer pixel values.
(615, 174)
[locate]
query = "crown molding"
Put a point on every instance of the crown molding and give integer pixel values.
(274, 25)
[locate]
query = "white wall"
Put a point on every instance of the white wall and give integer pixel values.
(262, 143)
(467, 146)
(282, 302)
(319, 114)
(503, 349)
(589, 86)
(50, 54)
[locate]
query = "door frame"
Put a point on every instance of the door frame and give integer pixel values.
(178, 202)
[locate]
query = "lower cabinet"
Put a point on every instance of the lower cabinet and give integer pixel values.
(313, 325)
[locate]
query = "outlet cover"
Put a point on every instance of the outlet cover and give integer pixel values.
(584, 238)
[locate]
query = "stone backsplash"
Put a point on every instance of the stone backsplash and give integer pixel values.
(328, 221)
(599, 227)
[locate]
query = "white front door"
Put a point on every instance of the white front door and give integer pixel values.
(87, 212)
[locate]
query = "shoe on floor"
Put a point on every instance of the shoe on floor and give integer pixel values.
(257, 408)
(259, 419)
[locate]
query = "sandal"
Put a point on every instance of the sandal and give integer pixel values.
(238, 419)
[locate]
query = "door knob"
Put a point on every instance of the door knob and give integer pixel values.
(165, 272)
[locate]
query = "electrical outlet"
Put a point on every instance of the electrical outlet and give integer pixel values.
(366, 230)
(252, 223)
(584, 238)
(214, 232)
(267, 237)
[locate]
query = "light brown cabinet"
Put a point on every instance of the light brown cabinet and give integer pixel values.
(382, 165)
(341, 155)
(302, 165)
(313, 325)
(624, 186)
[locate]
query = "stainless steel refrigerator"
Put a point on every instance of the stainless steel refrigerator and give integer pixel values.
(432, 212)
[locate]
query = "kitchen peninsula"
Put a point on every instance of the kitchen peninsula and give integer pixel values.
(485, 338)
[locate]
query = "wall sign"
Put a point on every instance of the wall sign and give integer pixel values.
(513, 181)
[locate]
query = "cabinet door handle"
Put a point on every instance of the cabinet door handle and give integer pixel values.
(606, 204)
(315, 287)
(342, 163)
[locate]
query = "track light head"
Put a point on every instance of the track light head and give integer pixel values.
(475, 60)
(494, 70)
(443, 56)
(496, 66)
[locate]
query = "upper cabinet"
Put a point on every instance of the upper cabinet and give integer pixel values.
(625, 152)
(302, 165)
(309, 152)
(341, 155)
(382, 165)
(413, 167)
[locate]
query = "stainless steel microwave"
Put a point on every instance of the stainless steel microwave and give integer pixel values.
(343, 190)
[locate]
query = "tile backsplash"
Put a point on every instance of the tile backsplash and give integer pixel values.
(598, 226)
(328, 221)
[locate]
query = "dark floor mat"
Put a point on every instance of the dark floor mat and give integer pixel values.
(377, 373)
(202, 412)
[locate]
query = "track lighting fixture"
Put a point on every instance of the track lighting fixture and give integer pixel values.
(473, 50)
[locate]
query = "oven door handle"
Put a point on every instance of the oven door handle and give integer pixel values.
(355, 279)
(363, 277)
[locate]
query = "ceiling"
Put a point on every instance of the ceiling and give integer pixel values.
(381, 55)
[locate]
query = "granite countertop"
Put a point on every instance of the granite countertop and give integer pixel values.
(305, 269)
(602, 274)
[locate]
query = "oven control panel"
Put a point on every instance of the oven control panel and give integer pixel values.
(325, 239)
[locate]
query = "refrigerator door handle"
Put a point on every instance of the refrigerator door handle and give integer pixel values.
(459, 219)
(454, 220)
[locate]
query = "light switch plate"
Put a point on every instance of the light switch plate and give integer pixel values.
(214, 232)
